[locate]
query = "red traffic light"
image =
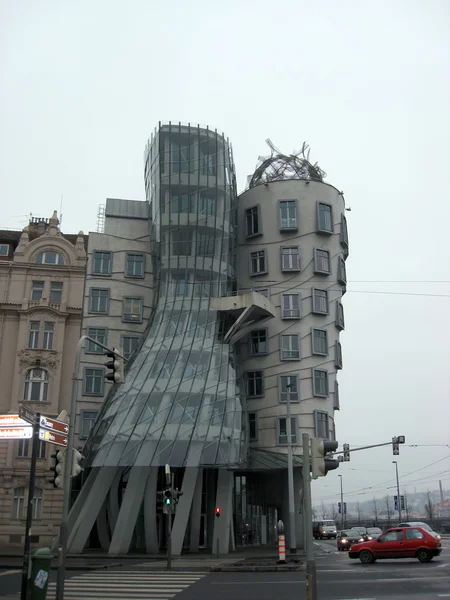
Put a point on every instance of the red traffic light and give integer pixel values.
(217, 511)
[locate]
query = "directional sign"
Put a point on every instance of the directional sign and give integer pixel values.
(12, 421)
(27, 415)
(16, 433)
(52, 438)
(53, 425)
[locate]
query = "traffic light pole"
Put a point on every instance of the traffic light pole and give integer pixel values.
(342, 503)
(311, 576)
(399, 498)
(26, 547)
(169, 541)
(290, 466)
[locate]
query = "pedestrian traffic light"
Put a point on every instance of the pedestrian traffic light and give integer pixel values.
(77, 457)
(58, 468)
(320, 462)
(167, 501)
(116, 365)
(217, 511)
(346, 448)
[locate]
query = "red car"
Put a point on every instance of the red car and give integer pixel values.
(401, 542)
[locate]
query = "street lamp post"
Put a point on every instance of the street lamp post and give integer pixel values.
(342, 504)
(399, 500)
(292, 535)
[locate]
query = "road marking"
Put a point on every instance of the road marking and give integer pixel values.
(443, 595)
(441, 566)
(9, 573)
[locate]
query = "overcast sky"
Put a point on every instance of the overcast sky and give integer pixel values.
(84, 83)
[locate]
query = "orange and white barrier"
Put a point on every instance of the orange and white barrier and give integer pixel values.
(281, 548)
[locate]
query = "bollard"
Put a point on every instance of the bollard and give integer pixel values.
(281, 549)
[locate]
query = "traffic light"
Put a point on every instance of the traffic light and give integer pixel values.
(167, 501)
(346, 448)
(116, 365)
(176, 495)
(76, 467)
(58, 468)
(399, 439)
(217, 511)
(320, 462)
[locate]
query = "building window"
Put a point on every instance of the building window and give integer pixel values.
(129, 345)
(258, 262)
(99, 300)
(255, 383)
(49, 258)
(320, 342)
(340, 323)
(288, 388)
(87, 420)
(320, 302)
(33, 335)
(181, 156)
(101, 262)
(182, 204)
(338, 355)
(207, 206)
(289, 346)
(49, 330)
(179, 286)
(4, 249)
(36, 386)
(132, 310)
(24, 449)
(37, 290)
(320, 382)
(342, 274)
(18, 502)
(37, 503)
(135, 265)
(205, 245)
(321, 426)
(336, 403)
(56, 292)
(290, 306)
(258, 342)
(253, 222)
(282, 431)
(93, 382)
(99, 335)
(344, 232)
(253, 426)
(321, 261)
(208, 162)
(288, 215)
(324, 218)
(290, 258)
(182, 242)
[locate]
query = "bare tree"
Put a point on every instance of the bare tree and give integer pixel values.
(375, 511)
(324, 512)
(359, 512)
(314, 513)
(409, 508)
(430, 508)
(389, 511)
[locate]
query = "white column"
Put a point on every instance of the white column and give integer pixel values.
(151, 534)
(183, 509)
(196, 513)
(224, 501)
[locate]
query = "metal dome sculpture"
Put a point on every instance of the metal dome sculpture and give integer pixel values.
(279, 167)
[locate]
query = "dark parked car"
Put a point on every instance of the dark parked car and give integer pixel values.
(404, 542)
(347, 538)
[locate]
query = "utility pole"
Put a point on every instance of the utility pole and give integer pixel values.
(292, 533)
(311, 576)
(342, 504)
(27, 544)
(399, 499)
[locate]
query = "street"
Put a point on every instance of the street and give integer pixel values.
(339, 578)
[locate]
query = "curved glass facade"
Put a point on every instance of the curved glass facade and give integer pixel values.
(180, 401)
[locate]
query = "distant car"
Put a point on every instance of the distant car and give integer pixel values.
(348, 537)
(361, 530)
(324, 529)
(372, 533)
(420, 524)
(404, 542)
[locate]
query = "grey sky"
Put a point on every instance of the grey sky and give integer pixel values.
(365, 83)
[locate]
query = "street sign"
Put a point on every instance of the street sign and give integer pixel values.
(27, 415)
(16, 433)
(395, 502)
(53, 425)
(12, 421)
(402, 502)
(53, 438)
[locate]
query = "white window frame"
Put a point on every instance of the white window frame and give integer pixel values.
(92, 373)
(255, 333)
(254, 380)
(32, 380)
(38, 501)
(99, 298)
(92, 332)
(105, 258)
(33, 334)
(294, 431)
(4, 249)
(48, 335)
(290, 258)
(135, 275)
(318, 262)
(288, 350)
(44, 255)
(291, 312)
(316, 309)
(250, 213)
(18, 502)
(56, 290)
(292, 378)
(316, 347)
(288, 223)
(37, 290)
(322, 228)
(318, 392)
(318, 430)
(255, 256)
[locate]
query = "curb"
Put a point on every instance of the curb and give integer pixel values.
(244, 569)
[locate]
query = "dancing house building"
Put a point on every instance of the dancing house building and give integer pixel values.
(246, 310)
